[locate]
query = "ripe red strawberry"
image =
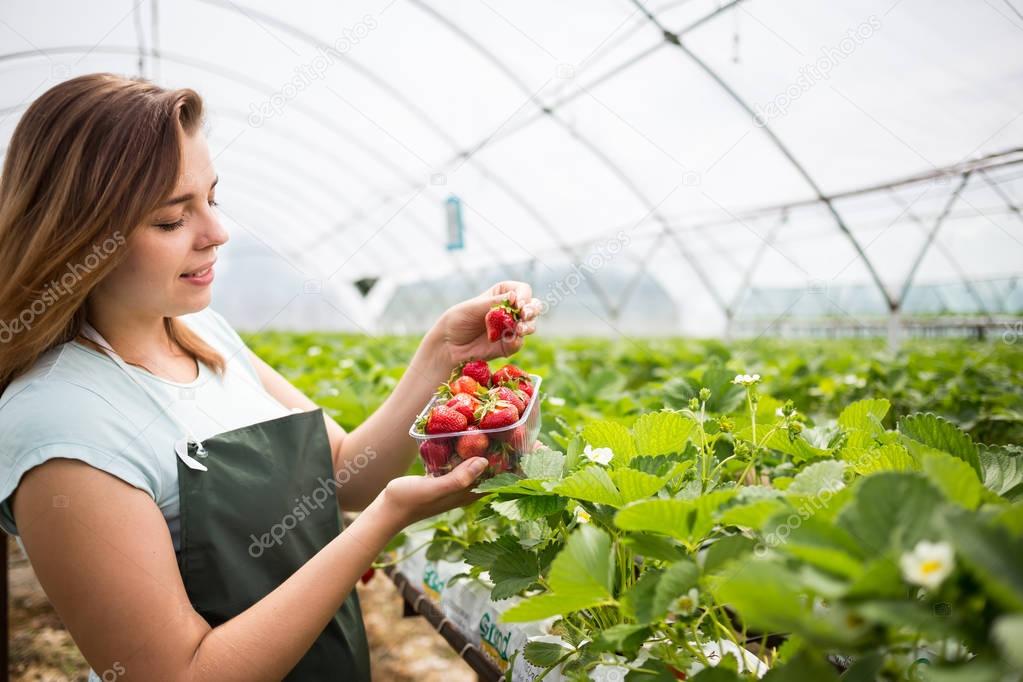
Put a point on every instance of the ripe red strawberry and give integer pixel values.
(526, 386)
(444, 419)
(518, 438)
(507, 373)
(435, 453)
(472, 444)
(511, 396)
(500, 320)
(498, 415)
(497, 461)
(464, 384)
(466, 404)
(368, 575)
(478, 370)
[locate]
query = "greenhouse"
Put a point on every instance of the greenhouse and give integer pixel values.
(628, 340)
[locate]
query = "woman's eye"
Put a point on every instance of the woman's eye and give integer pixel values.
(168, 227)
(214, 202)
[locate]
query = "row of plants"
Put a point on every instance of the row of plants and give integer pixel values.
(677, 510)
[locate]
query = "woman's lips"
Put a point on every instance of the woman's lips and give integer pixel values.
(199, 277)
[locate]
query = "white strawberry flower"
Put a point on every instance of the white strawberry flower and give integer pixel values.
(687, 603)
(581, 515)
(928, 564)
(601, 456)
(746, 379)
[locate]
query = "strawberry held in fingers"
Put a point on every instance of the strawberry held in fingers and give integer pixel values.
(478, 370)
(501, 321)
(472, 444)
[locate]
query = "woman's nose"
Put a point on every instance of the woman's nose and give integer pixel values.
(214, 233)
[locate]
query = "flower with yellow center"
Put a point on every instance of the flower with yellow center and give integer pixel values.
(928, 564)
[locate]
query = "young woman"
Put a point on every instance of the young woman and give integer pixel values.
(177, 497)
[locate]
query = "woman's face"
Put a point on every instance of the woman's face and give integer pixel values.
(167, 270)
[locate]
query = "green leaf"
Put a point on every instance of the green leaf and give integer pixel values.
(865, 415)
(991, 554)
(817, 477)
(807, 664)
(606, 434)
(510, 483)
(798, 448)
(654, 546)
(727, 549)
(890, 457)
(581, 576)
(819, 544)
(770, 598)
(653, 594)
(661, 433)
(1007, 632)
(545, 654)
(622, 638)
(687, 520)
(954, 477)
(636, 485)
(592, 484)
(1002, 467)
(544, 464)
(512, 567)
(529, 508)
(752, 514)
(890, 510)
(931, 431)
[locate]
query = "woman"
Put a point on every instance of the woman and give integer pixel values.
(177, 497)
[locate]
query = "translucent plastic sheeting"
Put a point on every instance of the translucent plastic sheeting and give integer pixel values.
(339, 129)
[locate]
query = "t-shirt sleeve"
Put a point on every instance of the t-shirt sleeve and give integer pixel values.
(56, 419)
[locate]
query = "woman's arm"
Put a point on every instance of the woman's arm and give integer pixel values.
(105, 559)
(383, 438)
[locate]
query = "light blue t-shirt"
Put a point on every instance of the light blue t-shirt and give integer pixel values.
(76, 403)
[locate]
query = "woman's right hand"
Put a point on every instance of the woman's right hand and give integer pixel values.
(408, 499)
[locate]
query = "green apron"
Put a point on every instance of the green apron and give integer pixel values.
(256, 503)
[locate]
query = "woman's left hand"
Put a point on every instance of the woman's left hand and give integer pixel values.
(464, 331)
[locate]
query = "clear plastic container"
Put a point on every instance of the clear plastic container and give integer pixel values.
(506, 444)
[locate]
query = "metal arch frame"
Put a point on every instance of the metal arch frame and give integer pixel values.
(622, 176)
(1001, 193)
(754, 265)
(908, 283)
(200, 64)
(981, 306)
(675, 40)
(423, 117)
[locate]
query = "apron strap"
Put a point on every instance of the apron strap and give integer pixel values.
(181, 445)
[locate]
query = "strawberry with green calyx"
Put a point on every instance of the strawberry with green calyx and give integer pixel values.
(507, 373)
(444, 419)
(368, 575)
(467, 404)
(497, 463)
(472, 444)
(525, 385)
(478, 370)
(498, 414)
(512, 396)
(463, 384)
(435, 453)
(501, 321)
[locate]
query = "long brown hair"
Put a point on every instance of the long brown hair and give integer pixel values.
(88, 162)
